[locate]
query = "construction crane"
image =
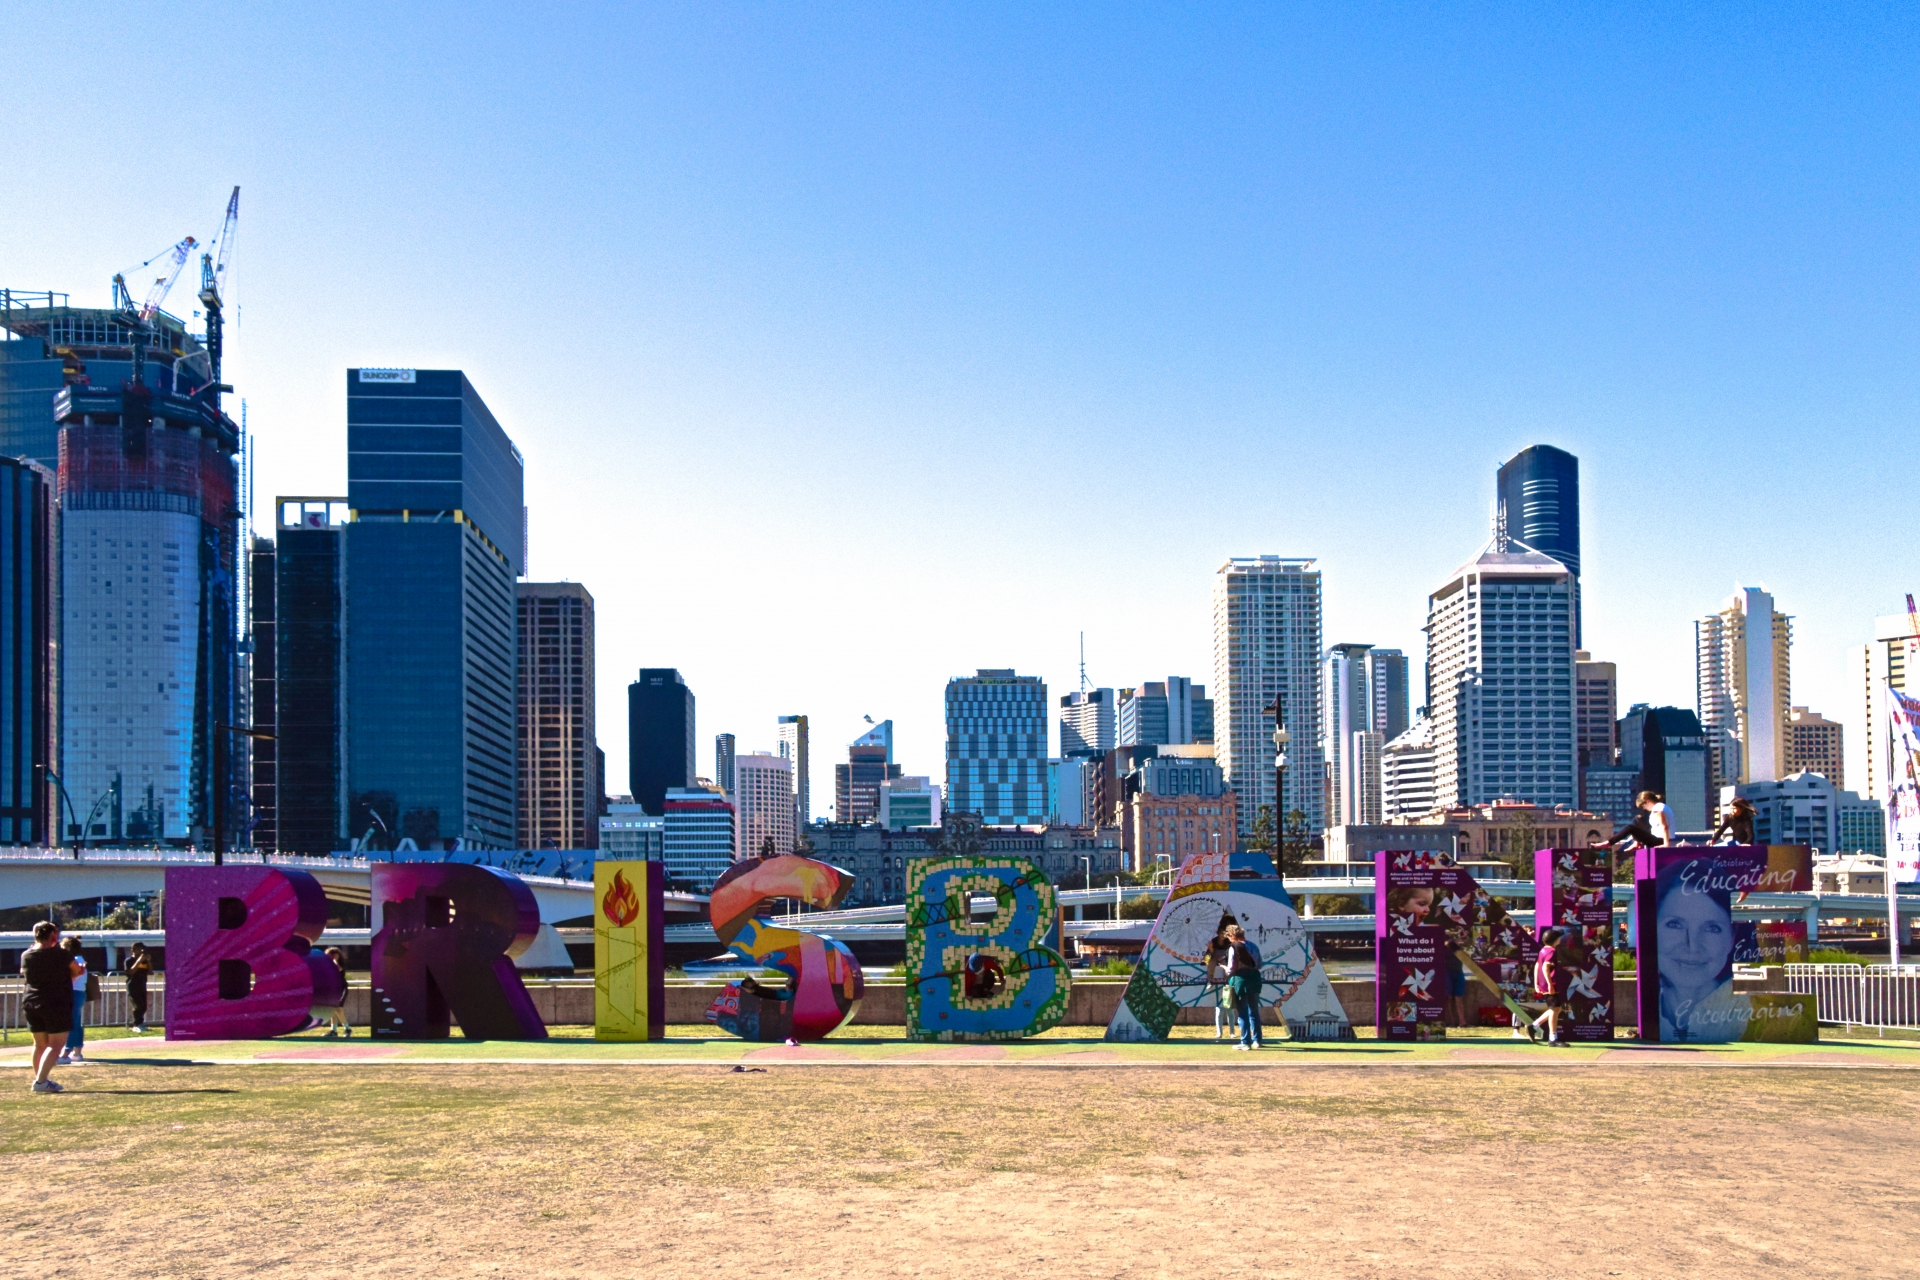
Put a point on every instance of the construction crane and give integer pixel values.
(213, 274)
(139, 320)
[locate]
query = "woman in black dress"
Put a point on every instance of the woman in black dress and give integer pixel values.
(49, 972)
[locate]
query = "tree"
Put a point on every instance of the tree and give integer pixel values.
(1294, 844)
(766, 848)
(1261, 840)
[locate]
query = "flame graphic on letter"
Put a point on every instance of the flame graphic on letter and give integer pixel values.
(622, 904)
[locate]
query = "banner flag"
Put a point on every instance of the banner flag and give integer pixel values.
(1903, 786)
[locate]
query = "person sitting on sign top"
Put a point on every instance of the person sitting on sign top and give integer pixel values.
(1651, 828)
(1736, 827)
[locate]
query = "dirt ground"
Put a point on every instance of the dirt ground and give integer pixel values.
(336, 1171)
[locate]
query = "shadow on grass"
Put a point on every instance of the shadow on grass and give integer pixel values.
(138, 1092)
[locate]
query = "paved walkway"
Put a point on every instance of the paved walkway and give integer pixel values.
(690, 1048)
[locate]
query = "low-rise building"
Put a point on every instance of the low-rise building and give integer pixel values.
(629, 833)
(1851, 873)
(878, 858)
(1511, 831)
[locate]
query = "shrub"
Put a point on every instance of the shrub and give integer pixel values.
(1139, 907)
(1112, 965)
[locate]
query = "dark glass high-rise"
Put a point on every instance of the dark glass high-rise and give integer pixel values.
(1538, 504)
(659, 736)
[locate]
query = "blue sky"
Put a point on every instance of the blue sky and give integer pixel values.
(854, 348)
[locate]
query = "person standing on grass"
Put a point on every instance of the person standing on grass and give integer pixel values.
(337, 1018)
(1223, 1015)
(1550, 983)
(1243, 970)
(139, 968)
(71, 1055)
(49, 970)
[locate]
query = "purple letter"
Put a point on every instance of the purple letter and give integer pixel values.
(240, 963)
(448, 935)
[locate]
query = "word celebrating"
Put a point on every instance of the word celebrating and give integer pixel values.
(448, 934)
(629, 951)
(997, 977)
(823, 982)
(240, 958)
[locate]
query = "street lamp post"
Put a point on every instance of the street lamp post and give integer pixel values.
(1089, 862)
(1280, 739)
(220, 732)
(71, 815)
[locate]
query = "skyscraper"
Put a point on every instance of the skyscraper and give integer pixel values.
(433, 550)
(1877, 667)
(308, 760)
(1346, 708)
(699, 839)
(1669, 753)
(659, 737)
(1266, 641)
(857, 783)
(763, 798)
(794, 747)
(1500, 681)
(150, 549)
(1406, 773)
(997, 747)
(1387, 679)
(559, 793)
(1743, 679)
(1815, 744)
(29, 653)
(1538, 506)
(1596, 737)
(1087, 722)
(726, 749)
(1143, 716)
(263, 760)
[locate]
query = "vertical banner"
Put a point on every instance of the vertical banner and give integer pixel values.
(1688, 939)
(997, 977)
(1434, 926)
(1573, 891)
(448, 934)
(1903, 787)
(629, 951)
(240, 958)
(1210, 891)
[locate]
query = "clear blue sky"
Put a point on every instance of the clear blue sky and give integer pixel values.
(855, 348)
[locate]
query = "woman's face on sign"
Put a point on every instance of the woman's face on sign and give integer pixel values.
(1696, 937)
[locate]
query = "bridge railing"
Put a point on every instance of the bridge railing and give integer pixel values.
(1861, 995)
(112, 1009)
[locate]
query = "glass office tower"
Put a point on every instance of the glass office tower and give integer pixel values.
(997, 747)
(29, 655)
(659, 737)
(1539, 505)
(433, 548)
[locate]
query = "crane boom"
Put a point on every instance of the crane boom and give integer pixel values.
(164, 284)
(213, 275)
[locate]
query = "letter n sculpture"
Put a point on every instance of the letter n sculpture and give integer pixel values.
(988, 977)
(629, 951)
(448, 934)
(240, 958)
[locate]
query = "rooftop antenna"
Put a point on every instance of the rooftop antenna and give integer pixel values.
(1083, 666)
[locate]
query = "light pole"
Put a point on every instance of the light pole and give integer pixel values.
(1280, 739)
(1089, 862)
(220, 732)
(71, 815)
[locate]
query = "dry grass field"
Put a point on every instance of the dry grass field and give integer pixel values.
(586, 1170)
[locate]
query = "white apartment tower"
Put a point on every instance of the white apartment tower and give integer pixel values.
(1741, 668)
(793, 749)
(1877, 667)
(1500, 681)
(1406, 773)
(763, 797)
(1346, 709)
(1266, 641)
(1087, 722)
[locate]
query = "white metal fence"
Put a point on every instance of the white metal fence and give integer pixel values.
(1861, 995)
(112, 1009)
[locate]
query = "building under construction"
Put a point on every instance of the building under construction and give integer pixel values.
(126, 404)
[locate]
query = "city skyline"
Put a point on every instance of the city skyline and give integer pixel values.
(1450, 323)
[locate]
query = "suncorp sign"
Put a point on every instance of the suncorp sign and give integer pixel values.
(386, 375)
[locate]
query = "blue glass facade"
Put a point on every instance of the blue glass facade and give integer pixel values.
(997, 747)
(28, 663)
(1539, 505)
(433, 549)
